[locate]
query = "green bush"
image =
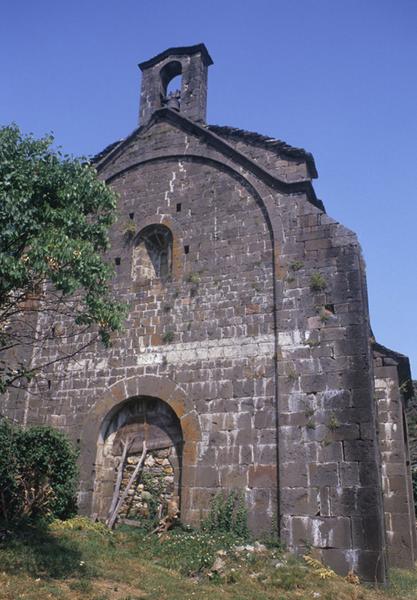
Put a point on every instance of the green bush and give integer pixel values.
(227, 514)
(38, 474)
(8, 469)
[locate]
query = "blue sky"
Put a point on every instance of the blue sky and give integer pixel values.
(335, 77)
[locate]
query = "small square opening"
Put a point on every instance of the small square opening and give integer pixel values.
(117, 260)
(179, 207)
(131, 216)
(186, 249)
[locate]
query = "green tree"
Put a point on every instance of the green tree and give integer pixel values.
(54, 220)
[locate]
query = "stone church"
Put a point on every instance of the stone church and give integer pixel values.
(247, 362)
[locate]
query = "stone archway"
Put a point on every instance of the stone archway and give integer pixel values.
(136, 420)
(110, 414)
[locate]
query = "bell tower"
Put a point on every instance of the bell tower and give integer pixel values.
(191, 64)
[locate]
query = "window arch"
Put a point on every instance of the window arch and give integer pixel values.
(152, 254)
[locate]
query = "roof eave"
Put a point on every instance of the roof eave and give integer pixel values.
(304, 186)
(178, 51)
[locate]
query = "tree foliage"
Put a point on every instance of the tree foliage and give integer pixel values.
(54, 220)
(38, 474)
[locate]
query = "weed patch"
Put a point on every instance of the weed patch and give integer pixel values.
(78, 560)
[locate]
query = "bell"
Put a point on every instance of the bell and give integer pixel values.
(174, 100)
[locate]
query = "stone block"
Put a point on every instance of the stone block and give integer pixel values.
(359, 450)
(341, 561)
(396, 502)
(371, 565)
(234, 478)
(262, 476)
(366, 532)
(293, 474)
(349, 474)
(207, 477)
(327, 532)
(323, 474)
(353, 501)
(300, 501)
(330, 452)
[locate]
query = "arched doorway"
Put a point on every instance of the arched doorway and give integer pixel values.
(97, 463)
(123, 431)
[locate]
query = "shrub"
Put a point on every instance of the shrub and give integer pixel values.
(8, 468)
(227, 514)
(38, 474)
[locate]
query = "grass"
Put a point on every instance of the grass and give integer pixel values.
(84, 563)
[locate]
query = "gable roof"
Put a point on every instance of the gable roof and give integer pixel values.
(278, 146)
(211, 136)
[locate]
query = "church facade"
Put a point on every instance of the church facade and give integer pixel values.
(247, 352)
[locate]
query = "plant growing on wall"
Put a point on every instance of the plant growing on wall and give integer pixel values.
(317, 282)
(54, 219)
(129, 231)
(168, 337)
(296, 265)
(333, 423)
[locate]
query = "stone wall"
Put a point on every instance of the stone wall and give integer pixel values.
(241, 308)
(412, 427)
(219, 308)
(258, 340)
(147, 501)
(396, 481)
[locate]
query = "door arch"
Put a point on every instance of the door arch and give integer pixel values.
(139, 419)
(111, 413)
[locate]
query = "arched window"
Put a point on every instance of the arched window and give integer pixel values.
(152, 254)
(171, 84)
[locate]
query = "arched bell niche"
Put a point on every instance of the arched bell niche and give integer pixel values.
(129, 424)
(171, 84)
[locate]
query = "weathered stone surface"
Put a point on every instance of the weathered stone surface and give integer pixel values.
(248, 332)
(396, 485)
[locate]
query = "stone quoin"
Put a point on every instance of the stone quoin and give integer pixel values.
(247, 362)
